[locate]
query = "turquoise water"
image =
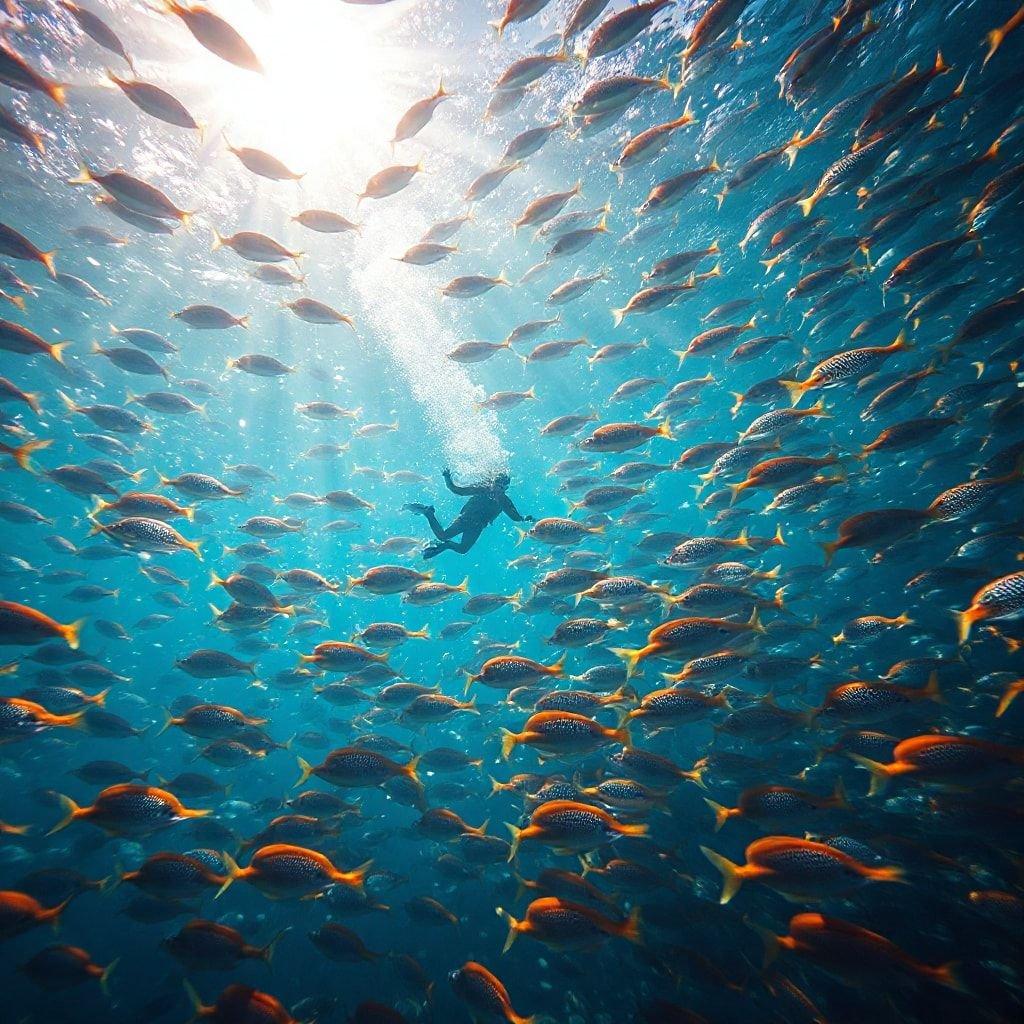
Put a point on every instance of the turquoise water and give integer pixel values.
(336, 78)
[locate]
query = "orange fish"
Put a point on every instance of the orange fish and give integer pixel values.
(770, 805)
(20, 912)
(566, 825)
(282, 871)
(798, 868)
(128, 810)
(567, 926)
(851, 954)
(562, 734)
(955, 761)
(484, 994)
(22, 625)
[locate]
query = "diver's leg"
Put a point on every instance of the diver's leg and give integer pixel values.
(433, 550)
(469, 537)
(427, 511)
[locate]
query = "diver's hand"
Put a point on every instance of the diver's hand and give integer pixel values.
(529, 519)
(446, 473)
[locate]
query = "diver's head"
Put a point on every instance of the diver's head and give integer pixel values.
(501, 482)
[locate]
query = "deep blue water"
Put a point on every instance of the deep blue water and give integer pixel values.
(337, 79)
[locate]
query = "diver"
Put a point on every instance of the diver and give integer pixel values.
(486, 502)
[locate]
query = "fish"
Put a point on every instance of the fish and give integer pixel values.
(670, 635)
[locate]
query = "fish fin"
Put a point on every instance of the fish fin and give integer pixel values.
(107, 972)
(632, 658)
(887, 873)
(71, 812)
(513, 927)
(732, 877)
(509, 740)
(306, 770)
(722, 814)
(266, 952)
(948, 975)
(517, 838)
(410, 772)
(630, 928)
(879, 773)
(233, 871)
(769, 939)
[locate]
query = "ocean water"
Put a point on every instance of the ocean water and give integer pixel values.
(336, 79)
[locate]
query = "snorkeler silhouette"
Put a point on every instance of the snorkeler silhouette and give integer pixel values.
(486, 502)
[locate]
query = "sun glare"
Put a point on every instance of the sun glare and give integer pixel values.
(336, 83)
(328, 84)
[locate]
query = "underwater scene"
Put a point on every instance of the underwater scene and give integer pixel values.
(511, 511)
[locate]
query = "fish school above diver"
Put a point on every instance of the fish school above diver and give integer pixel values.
(702, 707)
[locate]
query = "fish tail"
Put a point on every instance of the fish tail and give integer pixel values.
(410, 772)
(71, 812)
(696, 776)
(796, 388)
(556, 668)
(53, 914)
(84, 176)
(517, 838)
(306, 770)
(900, 343)
(947, 975)
(879, 773)
(887, 873)
(22, 454)
(769, 940)
(622, 733)
(636, 830)
(722, 814)
(735, 490)
(932, 690)
(232, 871)
(617, 316)
(732, 874)
(995, 40)
(1009, 696)
(168, 721)
(193, 995)
(513, 927)
(632, 658)
(356, 876)
(71, 632)
(509, 740)
(106, 973)
(964, 621)
(266, 953)
(830, 548)
(630, 928)
(839, 799)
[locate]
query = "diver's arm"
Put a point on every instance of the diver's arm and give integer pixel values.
(456, 489)
(512, 512)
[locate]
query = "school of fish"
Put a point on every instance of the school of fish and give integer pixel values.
(725, 730)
